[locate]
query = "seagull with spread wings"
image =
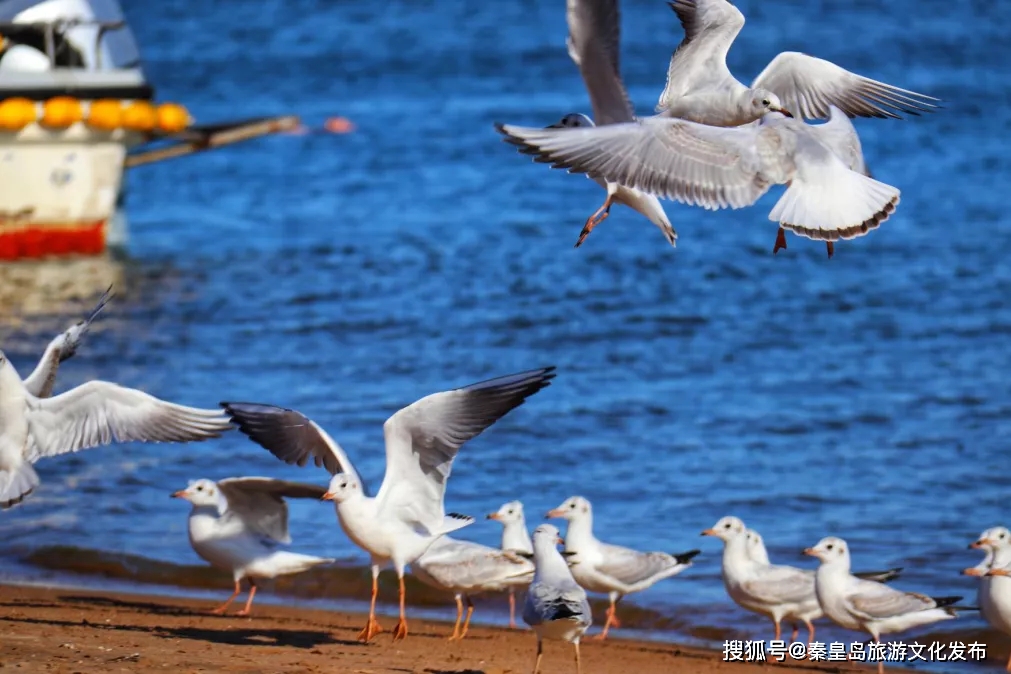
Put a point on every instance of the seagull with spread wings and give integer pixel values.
(93, 414)
(238, 524)
(399, 523)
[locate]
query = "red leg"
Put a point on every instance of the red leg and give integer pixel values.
(793, 635)
(780, 241)
(831, 249)
(400, 631)
(611, 620)
(810, 631)
(224, 607)
(512, 609)
(470, 612)
(594, 220)
(249, 601)
(372, 628)
(459, 614)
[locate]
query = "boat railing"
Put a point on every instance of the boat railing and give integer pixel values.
(56, 30)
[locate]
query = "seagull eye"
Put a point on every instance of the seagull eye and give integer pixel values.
(765, 102)
(1001, 536)
(572, 506)
(509, 512)
(200, 488)
(828, 547)
(727, 525)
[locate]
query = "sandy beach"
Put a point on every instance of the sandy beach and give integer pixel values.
(65, 630)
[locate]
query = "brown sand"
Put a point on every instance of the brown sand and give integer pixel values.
(58, 630)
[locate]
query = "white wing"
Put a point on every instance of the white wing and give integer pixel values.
(700, 61)
(98, 413)
(291, 436)
(839, 135)
(807, 86)
(259, 503)
(706, 166)
(423, 439)
(594, 43)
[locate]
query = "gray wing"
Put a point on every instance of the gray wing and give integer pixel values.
(98, 413)
(874, 601)
(594, 44)
(471, 566)
(41, 381)
(879, 576)
(839, 135)
(781, 585)
(695, 164)
(631, 567)
(423, 438)
(547, 603)
(291, 436)
(808, 86)
(259, 502)
(700, 62)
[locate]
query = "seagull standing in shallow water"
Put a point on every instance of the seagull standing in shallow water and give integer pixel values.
(611, 569)
(516, 539)
(407, 515)
(239, 523)
(556, 606)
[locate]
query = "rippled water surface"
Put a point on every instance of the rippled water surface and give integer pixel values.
(865, 396)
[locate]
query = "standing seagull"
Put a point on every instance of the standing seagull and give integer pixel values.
(593, 42)
(515, 538)
(867, 606)
(615, 570)
(407, 514)
(93, 414)
(466, 568)
(994, 593)
(700, 87)
(42, 379)
(237, 525)
(556, 606)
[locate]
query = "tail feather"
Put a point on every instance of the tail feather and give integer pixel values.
(16, 485)
(831, 202)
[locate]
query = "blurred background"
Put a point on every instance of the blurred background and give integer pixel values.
(346, 276)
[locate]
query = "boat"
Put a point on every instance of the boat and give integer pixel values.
(76, 111)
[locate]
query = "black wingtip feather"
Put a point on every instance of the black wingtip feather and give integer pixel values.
(946, 601)
(686, 557)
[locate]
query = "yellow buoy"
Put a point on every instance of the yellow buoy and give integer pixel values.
(173, 118)
(139, 116)
(105, 114)
(61, 111)
(16, 114)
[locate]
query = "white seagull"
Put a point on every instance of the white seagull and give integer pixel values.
(93, 414)
(777, 591)
(593, 42)
(615, 570)
(556, 606)
(715, 168)
(42, 379)
(868, 606)
(407, 514)
(700, 87)
(465, 568)
(238, 525)
(994, 593)
(515, 538)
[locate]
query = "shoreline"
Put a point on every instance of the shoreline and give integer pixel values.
(80, 630)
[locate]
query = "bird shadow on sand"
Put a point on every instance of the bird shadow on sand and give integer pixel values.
(142, 606)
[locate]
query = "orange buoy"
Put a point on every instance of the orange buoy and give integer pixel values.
(61, 111)
(173, 118)
(139, 116)
(106, 114)
(16, 114)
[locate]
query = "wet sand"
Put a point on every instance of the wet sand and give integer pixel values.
(65, 630)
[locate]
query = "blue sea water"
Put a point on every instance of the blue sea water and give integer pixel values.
(865, 396)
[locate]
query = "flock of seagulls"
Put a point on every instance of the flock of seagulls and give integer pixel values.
(715, 142)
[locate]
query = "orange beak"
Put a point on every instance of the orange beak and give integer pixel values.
(1000, 572)
(972, 571)
(557, 512)
(178, 494)
(559, 541)
(709, 532)
(980, 543)
(810, 551)
(494, 516)
(329, 496)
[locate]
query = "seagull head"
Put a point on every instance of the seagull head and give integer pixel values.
(756, 547)
(547, 533)
(342, 487)
(726, 529)
(764, 101)
(199, 493)
(830, 550)
(993, 538)
(572, 508)
(509, 513)
(573, 120)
